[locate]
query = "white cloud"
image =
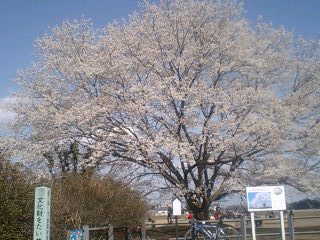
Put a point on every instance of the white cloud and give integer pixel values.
(5, 115)
(6, 100)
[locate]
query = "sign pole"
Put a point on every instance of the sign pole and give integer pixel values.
(283, 233)
(266, 198)
(176, 220)
(176, 211)
(253, 226)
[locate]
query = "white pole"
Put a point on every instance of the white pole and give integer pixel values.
(253, 226)
(283, 233)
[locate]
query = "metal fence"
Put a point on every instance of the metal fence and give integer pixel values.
(296, 228)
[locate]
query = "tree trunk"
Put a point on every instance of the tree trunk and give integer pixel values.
(199, 209)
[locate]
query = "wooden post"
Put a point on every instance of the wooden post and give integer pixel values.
(283, 231)
(291, 227)
(128, 233)
(110, 232)
(85, 229)
(243, 228)
(143, 233)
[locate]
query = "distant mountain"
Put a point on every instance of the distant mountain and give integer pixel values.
(306, 204)
(299, 205)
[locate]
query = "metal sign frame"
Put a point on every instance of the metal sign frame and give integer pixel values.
(266, 198)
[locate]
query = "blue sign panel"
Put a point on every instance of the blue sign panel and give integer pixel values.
(75, 234)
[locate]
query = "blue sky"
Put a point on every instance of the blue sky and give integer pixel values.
(21, 22)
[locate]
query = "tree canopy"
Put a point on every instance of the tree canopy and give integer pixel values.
(188, 90)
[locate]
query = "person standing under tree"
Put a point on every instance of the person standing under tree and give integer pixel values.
(169, 216)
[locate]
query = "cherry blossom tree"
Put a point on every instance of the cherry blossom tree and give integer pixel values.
(187, 90)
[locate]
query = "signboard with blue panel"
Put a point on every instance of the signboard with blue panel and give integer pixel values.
(266, 198)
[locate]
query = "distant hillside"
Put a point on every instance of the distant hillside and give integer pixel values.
(299, 205)
(306, 204)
